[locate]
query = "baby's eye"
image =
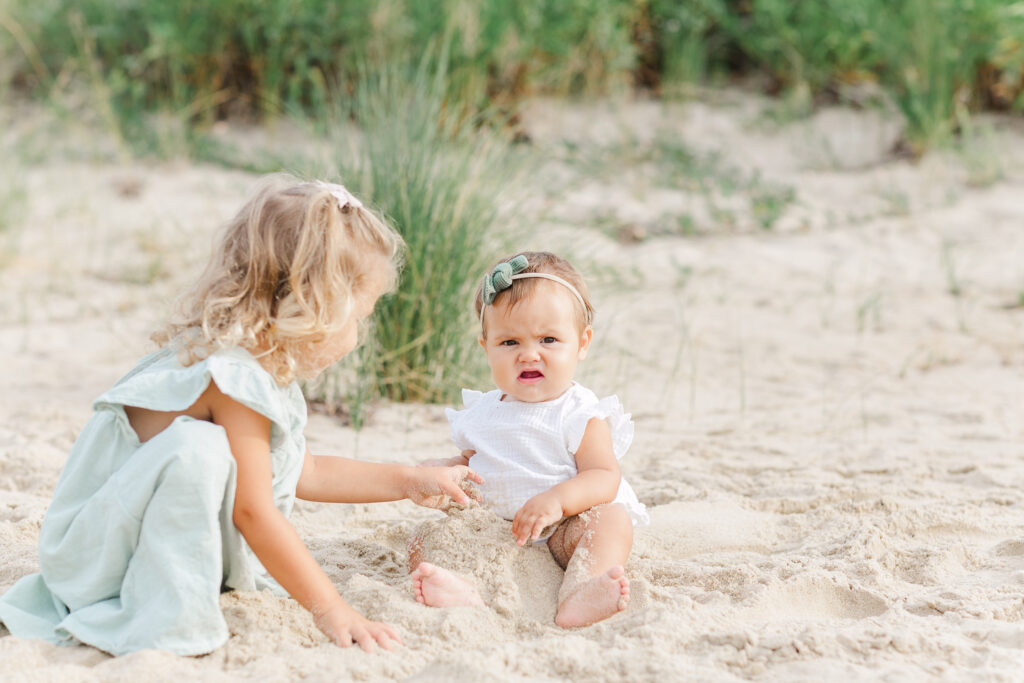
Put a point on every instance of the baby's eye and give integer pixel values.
(508, 342)
(548, 340)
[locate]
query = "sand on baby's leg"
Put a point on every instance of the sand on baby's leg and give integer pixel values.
(464, 559)
(592, 547)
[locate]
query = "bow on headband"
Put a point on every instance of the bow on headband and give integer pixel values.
(501, 278)
(503, 274)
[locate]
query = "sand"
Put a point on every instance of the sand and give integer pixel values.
(829, 413)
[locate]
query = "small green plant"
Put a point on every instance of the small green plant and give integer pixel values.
(981, 153)
(769, 201)
(441, 177)
(954, 287)
(897, 201)
(12, 201)
(729, 193)
(869, 311)
(685, 224)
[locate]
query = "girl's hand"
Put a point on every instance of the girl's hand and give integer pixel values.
(536, 514)
(345, 626)
(462, 459)
(437, 487)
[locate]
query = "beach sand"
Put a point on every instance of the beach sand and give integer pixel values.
(829, 412)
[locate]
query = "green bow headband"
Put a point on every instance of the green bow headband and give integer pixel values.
(502, 275)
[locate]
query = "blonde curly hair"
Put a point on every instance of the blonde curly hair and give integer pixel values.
(284, 274)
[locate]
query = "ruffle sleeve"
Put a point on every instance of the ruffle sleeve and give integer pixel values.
(161, 383)
(457, 419)
(607, 408)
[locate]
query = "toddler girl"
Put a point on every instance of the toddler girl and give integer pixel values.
(180, 485)
(546, 447)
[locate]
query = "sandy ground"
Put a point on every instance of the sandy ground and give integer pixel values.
(829, 413)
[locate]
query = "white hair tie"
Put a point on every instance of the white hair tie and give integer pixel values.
(341, 193)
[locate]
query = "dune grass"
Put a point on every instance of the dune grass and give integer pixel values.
(12, 193)
(442, 178)
(199, 62)
(12, 202)
(207, 60)
(937, 60)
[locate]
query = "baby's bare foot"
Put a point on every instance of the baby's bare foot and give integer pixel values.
(437, 587)
(597, 599)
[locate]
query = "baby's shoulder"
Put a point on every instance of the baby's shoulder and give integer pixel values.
(578, 398)
(475, 401)
(584, 406)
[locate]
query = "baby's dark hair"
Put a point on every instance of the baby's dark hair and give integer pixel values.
(522, 288)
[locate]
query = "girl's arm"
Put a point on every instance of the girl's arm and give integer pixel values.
(596, 482)
(273, 538)
(331, 479)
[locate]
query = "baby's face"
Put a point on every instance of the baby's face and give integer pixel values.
(533, 348)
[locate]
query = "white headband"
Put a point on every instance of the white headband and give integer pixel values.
(546, 276)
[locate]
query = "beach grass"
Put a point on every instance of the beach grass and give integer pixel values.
(730, 195)
(442, 178)
(12, 188)
(936, 60)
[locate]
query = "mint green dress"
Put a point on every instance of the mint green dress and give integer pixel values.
(138, 542)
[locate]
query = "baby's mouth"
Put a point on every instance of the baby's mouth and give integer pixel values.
(530, 376)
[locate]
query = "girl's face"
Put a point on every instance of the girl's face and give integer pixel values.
(533, 349)
(341, 342)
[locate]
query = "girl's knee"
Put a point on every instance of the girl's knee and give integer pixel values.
(196, 449)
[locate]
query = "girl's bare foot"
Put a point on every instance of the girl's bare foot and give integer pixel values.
(597, 599)
(437, 587)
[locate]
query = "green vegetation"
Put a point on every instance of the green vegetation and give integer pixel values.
(12, 191)
(727, 193)
(937, 60)
(441, 177)
(413, 105)
(206, 60)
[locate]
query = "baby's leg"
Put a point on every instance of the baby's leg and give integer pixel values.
(437, 587)
(592, 548)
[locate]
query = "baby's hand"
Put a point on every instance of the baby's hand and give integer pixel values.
(437, 487)
(536, 514)
(344, 626)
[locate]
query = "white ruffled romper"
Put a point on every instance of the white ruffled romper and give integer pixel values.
(523, 449)
(139, 540)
